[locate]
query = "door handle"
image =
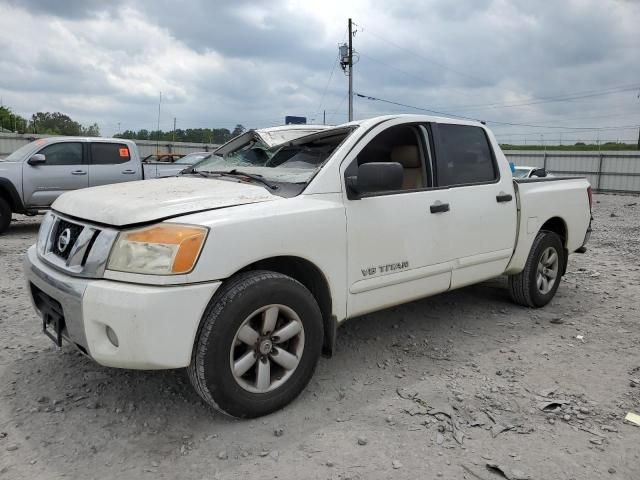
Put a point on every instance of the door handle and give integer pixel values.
(504, 197)
(79, 172)
(439, 208)
(128, 172)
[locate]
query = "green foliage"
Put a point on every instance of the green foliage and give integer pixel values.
(91, 131)
(11, 121)
(239, 130)
(191, 135)
(47, 123)
(55, 123)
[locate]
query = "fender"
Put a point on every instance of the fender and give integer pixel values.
(9, 192)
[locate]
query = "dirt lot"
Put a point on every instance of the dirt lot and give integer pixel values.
(438, 388)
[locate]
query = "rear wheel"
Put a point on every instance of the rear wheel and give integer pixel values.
(5, 215)
(258, 344)
(537, 284)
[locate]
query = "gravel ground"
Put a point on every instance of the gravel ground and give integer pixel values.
(462, 385)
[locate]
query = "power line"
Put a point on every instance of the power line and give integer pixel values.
(560, 98)
(441, 65)
(326, 87)
(331, 114)
(368, 97)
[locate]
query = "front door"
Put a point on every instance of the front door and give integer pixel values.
(398, 245)
(65, 169)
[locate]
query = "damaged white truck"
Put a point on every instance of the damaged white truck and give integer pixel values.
(242, 269)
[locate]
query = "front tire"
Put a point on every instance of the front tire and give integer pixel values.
(537, 284)
(258, 344)
(5, 215)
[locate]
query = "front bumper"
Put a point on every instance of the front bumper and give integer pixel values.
(155, 326)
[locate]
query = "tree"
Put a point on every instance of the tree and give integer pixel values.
(128, 134)
(91, 130)
(142, 134)
(239, 130)
(11, 121)
(54, 124)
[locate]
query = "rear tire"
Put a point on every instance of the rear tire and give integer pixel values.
(239, 365)
(537, 284)
(5, 215)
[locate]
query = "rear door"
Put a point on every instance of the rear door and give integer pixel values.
(65, 169)
(112, 162)
(482, 202)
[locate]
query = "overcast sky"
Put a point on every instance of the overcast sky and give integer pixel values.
(250, 62)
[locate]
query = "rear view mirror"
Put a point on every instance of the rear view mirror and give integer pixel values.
(539, 172)
(37, 159)
(376, 177)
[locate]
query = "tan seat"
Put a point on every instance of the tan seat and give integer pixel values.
(409, 157)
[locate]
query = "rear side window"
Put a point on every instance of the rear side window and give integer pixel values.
(68, 153)
(109, 153)
(464, 156)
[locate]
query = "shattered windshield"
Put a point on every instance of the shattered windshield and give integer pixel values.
(293, 162)
(521, 172)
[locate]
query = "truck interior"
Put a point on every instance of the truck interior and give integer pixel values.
(401, 144)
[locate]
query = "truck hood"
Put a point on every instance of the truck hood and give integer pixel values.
(148, 200)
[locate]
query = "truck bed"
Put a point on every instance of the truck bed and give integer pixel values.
(540, 200)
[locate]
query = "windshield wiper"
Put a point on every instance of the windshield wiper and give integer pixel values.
(192, 171)
(238, 173)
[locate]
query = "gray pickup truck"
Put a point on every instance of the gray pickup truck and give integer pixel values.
(33, 176)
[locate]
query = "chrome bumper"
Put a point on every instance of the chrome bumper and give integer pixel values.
(66, 290)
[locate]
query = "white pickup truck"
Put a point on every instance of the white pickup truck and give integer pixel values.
(242, 270)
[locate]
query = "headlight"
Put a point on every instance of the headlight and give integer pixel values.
(43, 233)
(163, 249)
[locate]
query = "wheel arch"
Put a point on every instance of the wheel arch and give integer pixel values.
(309, 275)
(9, 193)
(558, 226)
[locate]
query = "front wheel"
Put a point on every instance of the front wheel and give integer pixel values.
(537, 284)
(5, 215)
(258, 344)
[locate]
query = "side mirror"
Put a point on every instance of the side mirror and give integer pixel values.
(539, 172)
(37, 159)
(376, 177)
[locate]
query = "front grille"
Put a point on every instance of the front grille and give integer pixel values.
(64, 238)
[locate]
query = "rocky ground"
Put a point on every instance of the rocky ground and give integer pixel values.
(462, 385)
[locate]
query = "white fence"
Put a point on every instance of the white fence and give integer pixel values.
(10, 142)
(607, 171)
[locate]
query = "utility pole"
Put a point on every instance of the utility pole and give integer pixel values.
(173, 137)
(346, 63)
(350, 71)
(638, 138)
(119, 127)
(158, 131)
(324, 122)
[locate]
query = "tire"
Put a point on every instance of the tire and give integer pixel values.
(248, 300)
(526, 288)
(5, 215)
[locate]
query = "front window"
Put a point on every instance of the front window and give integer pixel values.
(294, 162)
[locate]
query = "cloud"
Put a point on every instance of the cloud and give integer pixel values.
(253, 62)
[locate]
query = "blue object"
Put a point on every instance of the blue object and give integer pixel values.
(292, 120)
(513, 167)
